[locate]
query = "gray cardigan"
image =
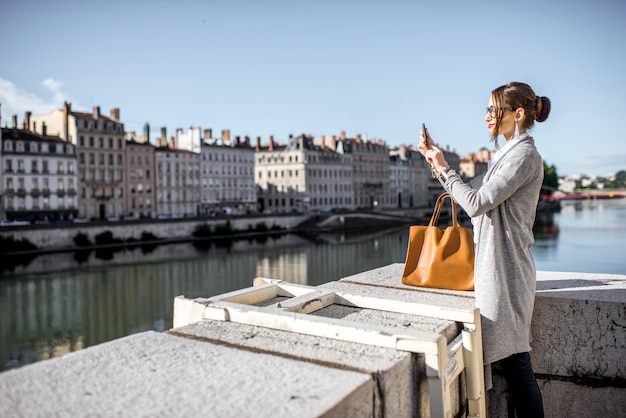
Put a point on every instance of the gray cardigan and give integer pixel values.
(503, 203)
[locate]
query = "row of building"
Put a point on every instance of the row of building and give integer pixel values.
(69, 164)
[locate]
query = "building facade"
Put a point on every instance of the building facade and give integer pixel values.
(38, 176)
(100, 147)
(227, 175)
(140, 177)
(302, 176)
(371, 173)
(178, 191)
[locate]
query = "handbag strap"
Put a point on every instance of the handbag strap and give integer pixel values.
(434, 220)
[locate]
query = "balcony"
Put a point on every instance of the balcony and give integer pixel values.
(46, 192)
(61, 192)
(35, 192)
(21, 192)
(71, 192)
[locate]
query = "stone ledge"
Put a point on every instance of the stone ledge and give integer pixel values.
(156, 374)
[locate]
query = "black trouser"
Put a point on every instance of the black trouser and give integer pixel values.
(523, 386)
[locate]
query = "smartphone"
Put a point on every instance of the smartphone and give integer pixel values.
(425, 137)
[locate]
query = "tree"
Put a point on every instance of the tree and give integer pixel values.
(620, 175)
(550, 178)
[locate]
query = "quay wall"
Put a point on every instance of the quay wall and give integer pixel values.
(227, 369)
(54, 237)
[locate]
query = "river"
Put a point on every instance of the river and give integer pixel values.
(95, 297)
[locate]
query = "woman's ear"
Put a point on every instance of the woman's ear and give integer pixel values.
(519, 114)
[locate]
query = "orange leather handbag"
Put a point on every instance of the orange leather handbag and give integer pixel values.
(437, 258)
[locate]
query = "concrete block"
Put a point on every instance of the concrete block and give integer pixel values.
(579, 326)
(568, 399)
(157, 374)
(397, 376)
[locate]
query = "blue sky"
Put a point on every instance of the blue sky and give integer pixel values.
(379, 68)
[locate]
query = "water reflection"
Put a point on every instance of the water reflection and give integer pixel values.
(104, 296)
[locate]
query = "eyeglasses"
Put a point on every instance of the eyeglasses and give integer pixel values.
(492, 110)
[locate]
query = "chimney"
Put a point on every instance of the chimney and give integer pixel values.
(27, 121)
(96, 112)
(146, 133)
(247, 141)
(403, 152)
(358, 138)
(271, 147)
(163, 140)
(14, 121)
(323, 144)
(115, 114)
(67, 110)
(43, 129)
(258, 143)
(226, 135)
(343, 135)
(172, 144)
(237, 140)
(333, 142)
(208, 133)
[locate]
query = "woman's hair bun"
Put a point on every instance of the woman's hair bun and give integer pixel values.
(543, 108)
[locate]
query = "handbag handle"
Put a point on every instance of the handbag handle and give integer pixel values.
(434, 220)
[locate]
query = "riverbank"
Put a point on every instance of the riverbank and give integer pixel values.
(98, 235)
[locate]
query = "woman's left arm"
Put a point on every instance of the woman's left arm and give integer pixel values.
(511, 174)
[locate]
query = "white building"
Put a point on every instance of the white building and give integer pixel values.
(409, 178)
(38, 176)
(227, 174)
(177, 180)
(303, 176)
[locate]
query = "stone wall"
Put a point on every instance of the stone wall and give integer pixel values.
(55, 237)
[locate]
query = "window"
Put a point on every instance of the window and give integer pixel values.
(92, 158)
(81, 141)
(60, 168)
(44, 168)
(8, 166)
(33, 166)
(20, 166)
(101, 142)
(91, 141)
(9, 184)
(8, 146)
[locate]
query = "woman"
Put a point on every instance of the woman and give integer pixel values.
(502, 203)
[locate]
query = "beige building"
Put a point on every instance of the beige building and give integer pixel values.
(100, 147)
(37, 176)
(371, 172)
(227, 174)
(303, 176)
(140, 175)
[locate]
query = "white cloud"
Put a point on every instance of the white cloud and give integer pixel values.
(16, 101)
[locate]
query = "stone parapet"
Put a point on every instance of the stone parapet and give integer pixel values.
(217, 366)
